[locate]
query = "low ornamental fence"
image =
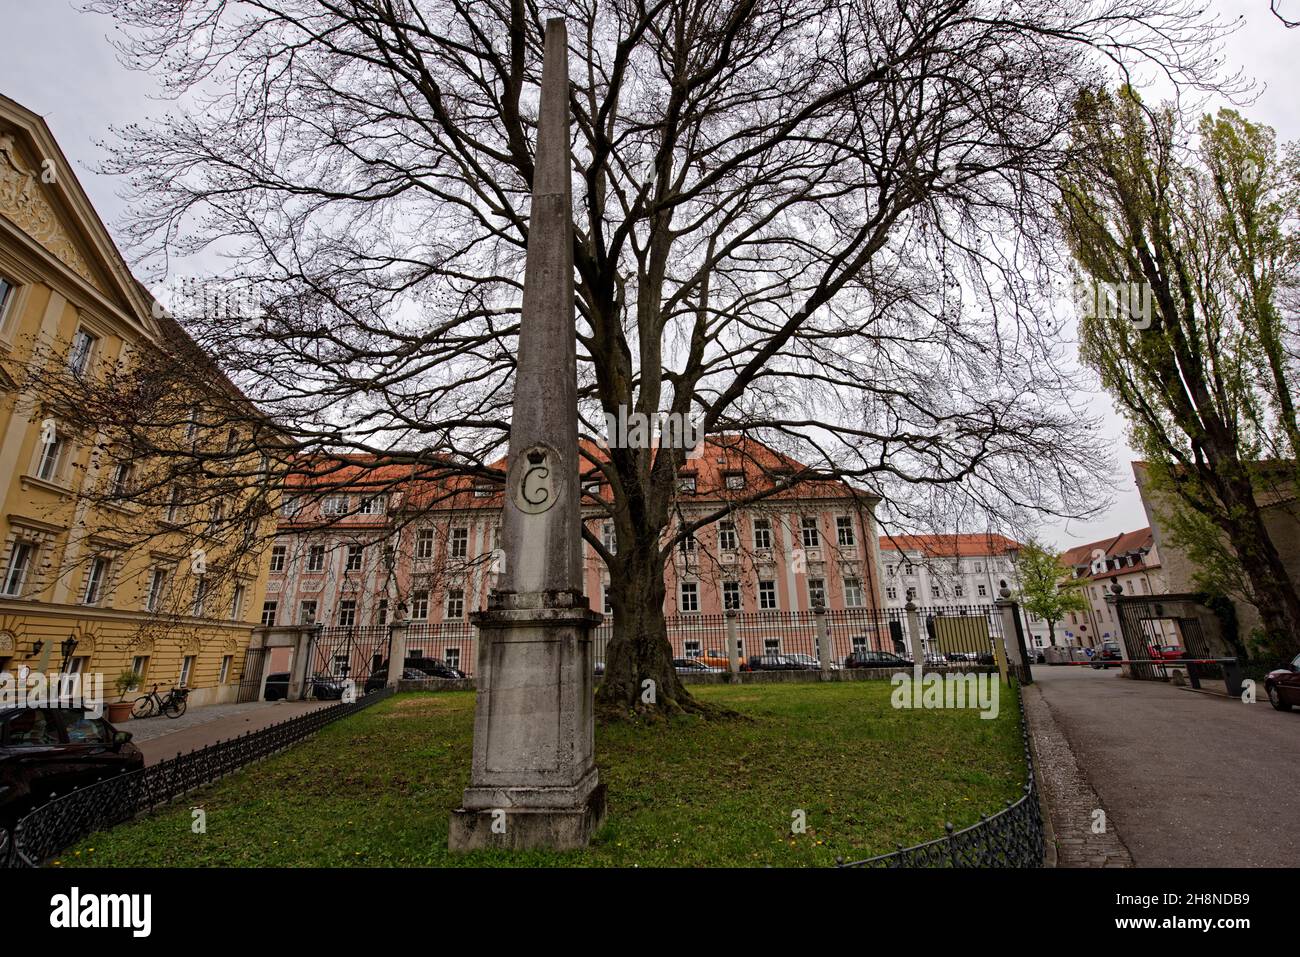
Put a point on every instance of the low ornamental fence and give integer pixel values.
(64, 820)
(1013, 837)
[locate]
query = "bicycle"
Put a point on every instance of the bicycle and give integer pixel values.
(173, 704)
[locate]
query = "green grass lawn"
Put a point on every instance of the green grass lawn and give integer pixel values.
(375, 789)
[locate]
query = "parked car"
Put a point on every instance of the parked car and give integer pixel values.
(277, 686)
(327, 687)
(693, 666)
(377, 681)
(1283, 686)
(1107, 656)
(715, 659)
(770, 663)
(1166, 652)
(46, 751)
(811, 663)
(876, 659)
(426, 668)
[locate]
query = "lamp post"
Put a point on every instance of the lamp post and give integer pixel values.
(68, 647)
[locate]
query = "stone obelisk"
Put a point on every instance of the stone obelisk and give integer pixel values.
(533, 782)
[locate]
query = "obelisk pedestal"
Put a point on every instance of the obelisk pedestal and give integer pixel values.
(533, 782)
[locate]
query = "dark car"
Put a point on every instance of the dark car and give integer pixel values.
(1283, 686)
(1107, 656)
(45, 751)
(771, 663)
(327, 687)
(693, 666)
(425, 668)
(876, 659)
(277, 686)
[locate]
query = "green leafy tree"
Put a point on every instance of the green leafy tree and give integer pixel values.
(1188, 234)
(1046, 588)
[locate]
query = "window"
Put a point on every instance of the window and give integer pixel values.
(591, 488)
(278, 553)
(455, 604)
(187, 669)
(334, 505)
(731, 596)
(689, 600)
(192, 430)
(269, 609)
(200, 596)
(766, 595)
(608, 606)
(291, 506)
(688, 542)
(340, 668)
(121, 483)
(174, 504)
(762, 533)
(891, 593)
(734, 480)
(811, 537)
(372, 506)
(853, 592)
(307, 612)
(237, 603)
(934, 591)
(139, 668)
(51, 459)
(482, 490)
(354, 558)
(316, 558)
(959, 591)
(727, 536)
(83, 346)
(459, 542)
(224, 675)
(691, 647)
(8, 293)
(772, 646)
(347, 616)
(844, 531)
(983, 591)
(816, 593)
(157, 579)
(381, 612)
(452, 657)
(420, 605)
(424, 544)
(96, 575)
(686, 483)
(609, 539)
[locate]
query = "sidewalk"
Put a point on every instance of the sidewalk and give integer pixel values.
(161, 737)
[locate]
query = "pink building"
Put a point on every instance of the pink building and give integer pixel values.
(360, 547)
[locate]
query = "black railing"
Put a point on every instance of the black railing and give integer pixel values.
(1013, 837)
(66, 819)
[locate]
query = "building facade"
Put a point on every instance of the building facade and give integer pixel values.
(383, 544)
(957, 571)
(79, 592)
(1130, 559)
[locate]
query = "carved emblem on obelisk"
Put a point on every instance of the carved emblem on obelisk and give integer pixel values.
(537, 481)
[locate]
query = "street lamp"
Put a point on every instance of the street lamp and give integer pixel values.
(68, 647)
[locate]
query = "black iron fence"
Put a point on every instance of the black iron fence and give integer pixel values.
(66, 819)
(950, 634)
(1013, 837)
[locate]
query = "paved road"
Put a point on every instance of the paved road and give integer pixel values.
(1189, 780)
(162, 737)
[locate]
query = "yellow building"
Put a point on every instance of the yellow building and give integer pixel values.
(129, 580)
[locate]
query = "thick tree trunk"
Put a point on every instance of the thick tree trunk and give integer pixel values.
(640, 679)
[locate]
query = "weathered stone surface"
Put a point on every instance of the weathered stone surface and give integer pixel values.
(534, 770)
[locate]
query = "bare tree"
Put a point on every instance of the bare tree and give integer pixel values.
(823, 224)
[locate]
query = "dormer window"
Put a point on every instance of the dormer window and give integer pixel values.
(686, 483)
(734, 481)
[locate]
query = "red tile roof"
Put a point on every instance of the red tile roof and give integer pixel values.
(961, 545)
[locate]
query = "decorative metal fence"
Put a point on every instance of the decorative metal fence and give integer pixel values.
(949, 635)
(346, 651)
(66, 819)
(1013, 837)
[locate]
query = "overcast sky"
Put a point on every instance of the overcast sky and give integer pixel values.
(58, 62)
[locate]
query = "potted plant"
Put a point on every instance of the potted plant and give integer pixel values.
(120, 710)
